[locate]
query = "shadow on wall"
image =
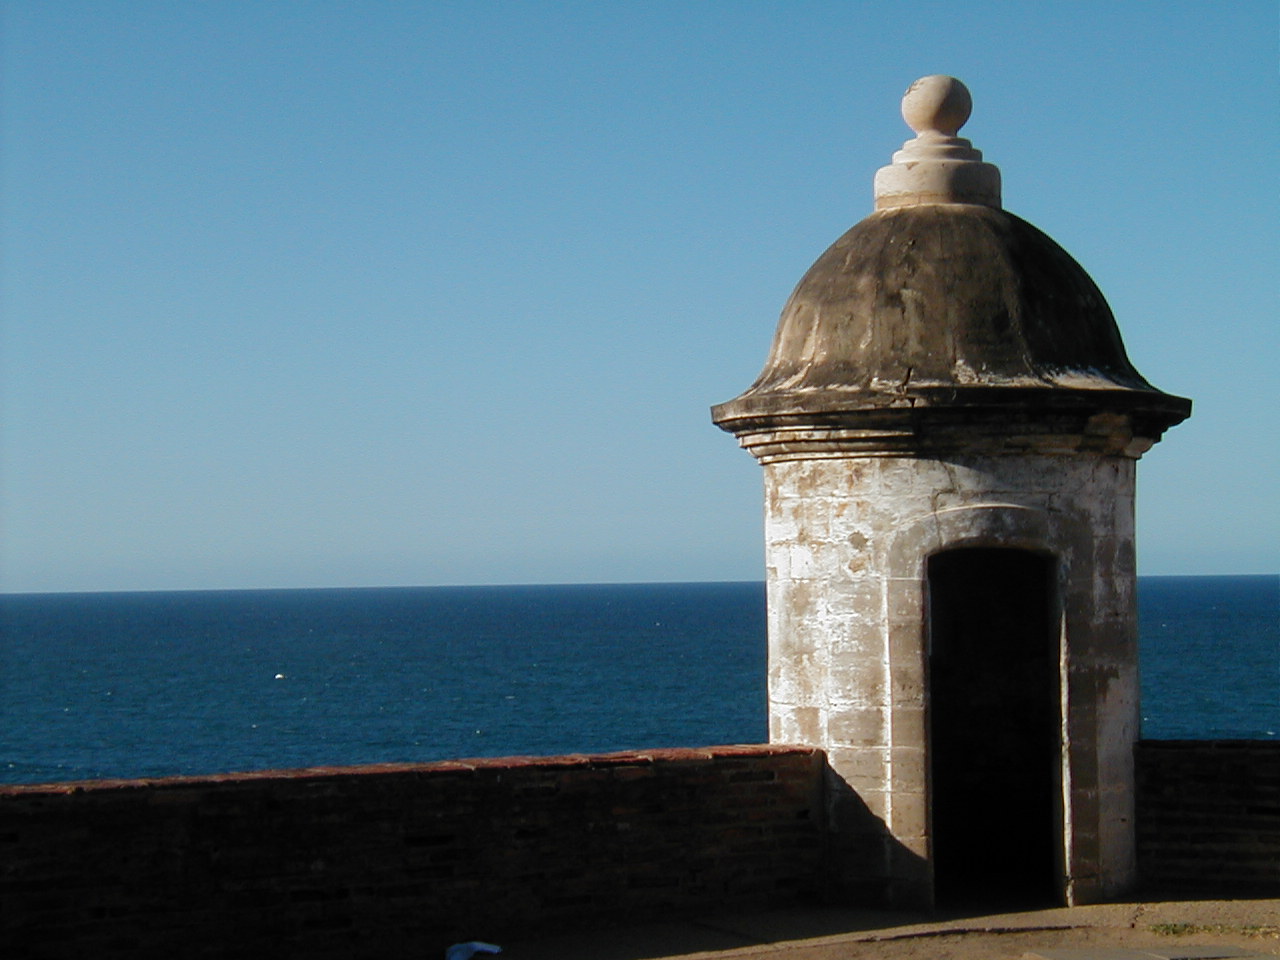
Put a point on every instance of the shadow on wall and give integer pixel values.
(866, 865)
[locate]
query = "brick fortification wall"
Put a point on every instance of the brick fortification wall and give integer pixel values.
(400, 860)
(1209, 816)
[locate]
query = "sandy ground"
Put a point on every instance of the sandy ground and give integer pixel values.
(1162, 929)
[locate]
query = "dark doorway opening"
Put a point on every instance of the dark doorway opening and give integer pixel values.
(994, 721)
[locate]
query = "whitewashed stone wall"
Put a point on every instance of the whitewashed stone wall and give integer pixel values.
(848, 540)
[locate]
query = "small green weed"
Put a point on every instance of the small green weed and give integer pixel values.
(1266, 931)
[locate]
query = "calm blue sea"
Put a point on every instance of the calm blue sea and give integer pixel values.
(155, 684)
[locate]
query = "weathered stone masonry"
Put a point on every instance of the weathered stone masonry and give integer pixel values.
(847, 668)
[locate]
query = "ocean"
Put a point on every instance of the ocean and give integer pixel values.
(100, 685)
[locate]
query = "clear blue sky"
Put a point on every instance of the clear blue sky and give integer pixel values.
(374, 293)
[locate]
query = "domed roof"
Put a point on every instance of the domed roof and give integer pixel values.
(942, 300)
(945, 295)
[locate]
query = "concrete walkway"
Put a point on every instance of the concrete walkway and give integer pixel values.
(1122, 931)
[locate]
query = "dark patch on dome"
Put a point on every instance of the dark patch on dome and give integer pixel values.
(945, 294)
(943, 305)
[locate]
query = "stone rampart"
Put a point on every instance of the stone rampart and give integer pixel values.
(393, 861)
(1209, 816)
(400, 860)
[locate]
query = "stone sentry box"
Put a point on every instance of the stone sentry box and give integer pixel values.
(949, 428)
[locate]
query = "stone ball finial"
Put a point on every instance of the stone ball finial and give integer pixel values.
(937, 104)
(937, 166)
